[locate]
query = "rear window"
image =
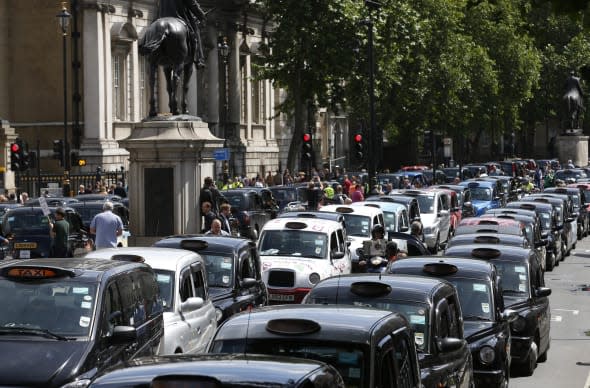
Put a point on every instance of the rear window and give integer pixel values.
(25, 222)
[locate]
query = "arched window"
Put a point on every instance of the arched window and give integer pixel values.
(122, 36)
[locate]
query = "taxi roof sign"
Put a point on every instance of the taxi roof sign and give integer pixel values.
(131, 258)
(194, 245)
(292, 326)
(370, 289)
(440, 269)
(296, 225)
(343, 209)
(485, 253)
(35, 272)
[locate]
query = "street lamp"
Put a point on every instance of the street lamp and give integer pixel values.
(372, 159)
(224, 50)
(63, 19)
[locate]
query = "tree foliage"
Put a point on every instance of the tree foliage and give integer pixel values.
(466, 68)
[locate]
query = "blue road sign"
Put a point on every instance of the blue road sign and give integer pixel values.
(221, 154)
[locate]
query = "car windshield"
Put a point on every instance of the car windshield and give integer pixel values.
(426, 203)
(87, 213)
(481, 194)
(25, 222)
(514, 279)
(61, 306)
(284, 194)
(293, 243)
(165, 281)
(545, 220)
(237, 201)
(350, 359)
(389, 219)
(220, 269)
(357, 225)
(475, 296)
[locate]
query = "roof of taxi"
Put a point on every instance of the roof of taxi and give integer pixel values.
(84, 267)
(466, 268)
(524, 203)
(511, 211)
(384, 205)
(489, 184)
(342, 322)
(405, 288)
(488, 238)
(214, 243)
(478, 221)
(155, 257)
(229, 368)
(359, 210)
(314, 224)
(506, 252)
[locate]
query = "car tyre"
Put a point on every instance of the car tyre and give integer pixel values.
(543, 357)
(550, 259)
(531, 362)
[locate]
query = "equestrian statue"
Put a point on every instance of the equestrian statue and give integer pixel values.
(173, 41)
(573, 104)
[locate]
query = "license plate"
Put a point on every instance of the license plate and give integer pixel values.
(25, 245)
(282, 298)
(24, 254)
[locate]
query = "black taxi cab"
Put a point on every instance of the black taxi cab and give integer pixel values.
(490, 238)
(523, 289)
(432, 308)
(233, 266)
(369, 347)
(62, 321)
(221, 370)
(485, 320)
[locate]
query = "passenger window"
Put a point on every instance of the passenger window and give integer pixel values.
(405, 360)
(138, 308)
(112, 310)
(199, 284)
(442, 312)
(454, 324)
(150, 292)
(185, 286)
(125, 286)
(340, 240)
(333, 242)
(255, 262)
(247, 267)
(387, 369)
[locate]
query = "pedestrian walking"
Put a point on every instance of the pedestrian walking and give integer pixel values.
(106, 227)
(59, 232)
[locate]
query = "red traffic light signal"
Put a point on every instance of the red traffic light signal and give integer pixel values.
(14, 147)
(358, 147)
(358, 138)
(306, 137)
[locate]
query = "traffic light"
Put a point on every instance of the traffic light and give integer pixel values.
(15, 156)
(58, 151)
(306, 147)
(24, 156)
(32, 159)
(76, 160)
(358, 146)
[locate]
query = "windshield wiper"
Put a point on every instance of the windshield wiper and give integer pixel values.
(31, 331)
(475, 318)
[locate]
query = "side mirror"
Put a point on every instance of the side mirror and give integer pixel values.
(191, 304)
(542, 292)
(248, 282)
(404, 229)
(545, 235)
(509, 315)
(123, 335)
(338, 255)
(575, 214)
(541, 243)
(570, 219)
(450, 344)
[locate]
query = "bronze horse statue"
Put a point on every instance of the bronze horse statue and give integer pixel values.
(573, 102)
(166, 43)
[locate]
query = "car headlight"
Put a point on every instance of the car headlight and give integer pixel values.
(487, 355)
(218, 314)
(519, 324)
(82, 383)
(314, 278)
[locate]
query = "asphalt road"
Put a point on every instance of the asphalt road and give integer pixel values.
(568, 363)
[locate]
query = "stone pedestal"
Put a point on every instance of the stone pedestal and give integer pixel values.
(574, 147)
(167, 164)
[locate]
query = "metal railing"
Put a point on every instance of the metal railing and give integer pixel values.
(35, 185)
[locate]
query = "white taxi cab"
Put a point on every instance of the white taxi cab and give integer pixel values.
(189, 314)
(295, 254)
(359, 221)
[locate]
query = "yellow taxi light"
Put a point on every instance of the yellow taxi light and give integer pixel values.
(31, 273)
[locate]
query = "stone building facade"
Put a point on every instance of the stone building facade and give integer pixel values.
(107, 86)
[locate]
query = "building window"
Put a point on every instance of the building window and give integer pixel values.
(143, 86)
(122, 83)
(244, 84)
(258, 95)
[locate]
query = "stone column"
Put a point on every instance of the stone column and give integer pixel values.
(7, 137)
(213, 80)
(168, 160)
(234, 83)
(573, 147)
(94, 74)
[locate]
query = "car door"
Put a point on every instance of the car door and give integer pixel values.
(383, 372)
(249, 292)
(406, 361)
(540, 305)
(443, 211)
(403, 222)
(189, 324)
(455, 366)
(203, 320)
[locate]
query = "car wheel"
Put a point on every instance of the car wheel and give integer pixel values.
(550, 259)
(531, 362)
(506, 379)
(543, 357)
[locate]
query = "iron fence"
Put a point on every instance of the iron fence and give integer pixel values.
(35, 185)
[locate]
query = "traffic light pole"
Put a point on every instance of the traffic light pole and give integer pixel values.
(66, 159)
(372, 144)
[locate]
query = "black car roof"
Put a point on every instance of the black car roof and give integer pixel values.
(404, 288)
(228, 368)
(540, 205)
(466, 268)
(488, 238)
(98, 197)
(92, 204)
(512, 211)
(214, 243)
(494, 252)
(343, 323)
(83, 267)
